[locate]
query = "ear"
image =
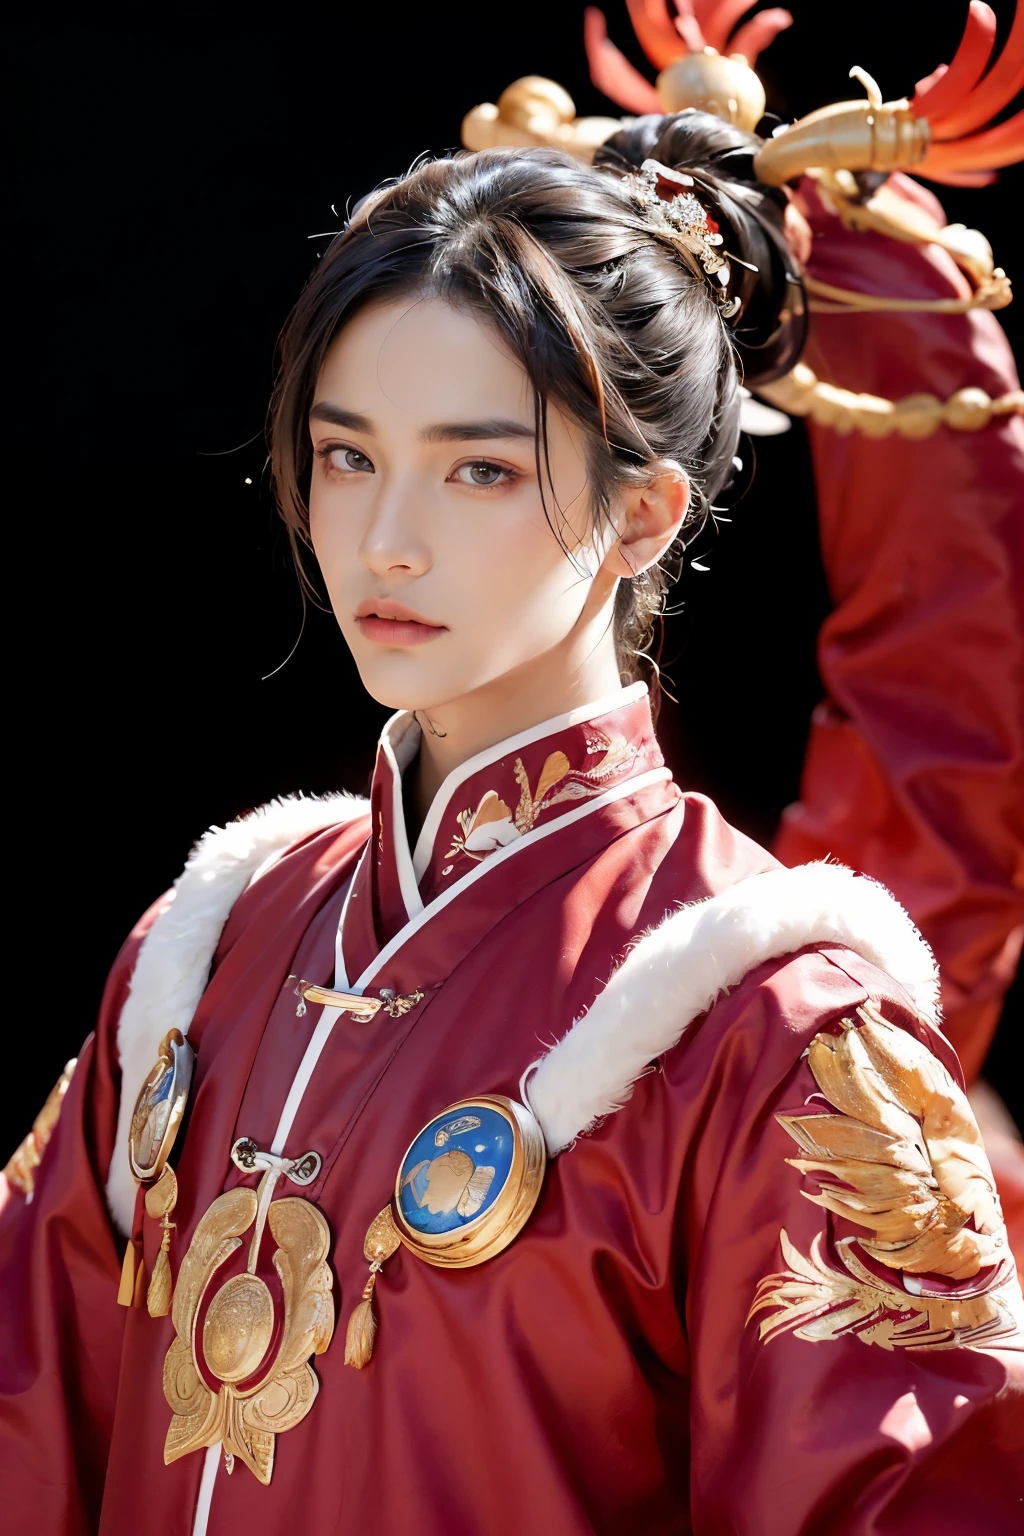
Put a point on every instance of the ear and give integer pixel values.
(653, 515)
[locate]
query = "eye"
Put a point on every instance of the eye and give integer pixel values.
(481, 473)
(344, 461)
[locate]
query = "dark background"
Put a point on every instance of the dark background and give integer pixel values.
(168, 177)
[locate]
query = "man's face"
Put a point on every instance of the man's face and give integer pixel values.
(426, 511)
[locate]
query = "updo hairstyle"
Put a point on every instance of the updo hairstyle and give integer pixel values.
(603, 313)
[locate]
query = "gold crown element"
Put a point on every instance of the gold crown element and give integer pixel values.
(707, 65)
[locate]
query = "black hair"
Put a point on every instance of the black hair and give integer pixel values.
(603, 312)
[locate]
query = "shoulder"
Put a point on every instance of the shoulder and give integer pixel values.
(773, 956)
(163, 970)
(174, 955)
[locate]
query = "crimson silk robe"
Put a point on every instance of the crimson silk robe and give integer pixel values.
(600, 1375)
(915, 763)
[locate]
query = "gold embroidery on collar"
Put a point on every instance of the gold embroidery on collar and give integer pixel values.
(902, 1157)
(492, 826)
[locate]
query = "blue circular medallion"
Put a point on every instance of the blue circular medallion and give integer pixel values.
(456, 1168)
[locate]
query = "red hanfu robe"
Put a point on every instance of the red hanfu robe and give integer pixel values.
(678, 1339)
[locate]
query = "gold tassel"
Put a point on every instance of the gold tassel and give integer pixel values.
(126, 1289)
(381, 1242)
(160, 1202)
(161, 1287)
(362, 1329)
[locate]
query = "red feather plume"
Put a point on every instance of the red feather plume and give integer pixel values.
(668, 29)
(959, 98)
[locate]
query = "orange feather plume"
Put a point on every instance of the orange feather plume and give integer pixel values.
(667, 30)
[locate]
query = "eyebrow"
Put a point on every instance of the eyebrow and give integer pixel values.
(475, 431)
(439, 432)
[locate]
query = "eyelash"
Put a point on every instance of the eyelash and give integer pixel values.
(326, 449)
(509, 475)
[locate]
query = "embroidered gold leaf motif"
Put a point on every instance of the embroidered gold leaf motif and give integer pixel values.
(902, 1157)
(555, 768)
(21, 1168)
(491, 808)
(525, 814)
(905, 1157)
(483, 830)
(492, 825)
(814, 1300)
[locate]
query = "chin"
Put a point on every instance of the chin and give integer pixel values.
(399, 685)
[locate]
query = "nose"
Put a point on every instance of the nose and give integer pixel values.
(392, 543)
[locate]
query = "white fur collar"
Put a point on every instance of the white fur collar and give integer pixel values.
(174, 959)
(671, 976)
(674, 973)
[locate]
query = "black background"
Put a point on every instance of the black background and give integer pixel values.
(169, 172)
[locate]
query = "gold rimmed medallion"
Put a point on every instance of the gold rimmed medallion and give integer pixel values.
(156, 1121)
(469, 1182)
(464, 1190)
(160, 1107)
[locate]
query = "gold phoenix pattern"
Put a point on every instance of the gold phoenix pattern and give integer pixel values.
(252, 1406)
(21, 1168)
(903, 1157)
(492, 825)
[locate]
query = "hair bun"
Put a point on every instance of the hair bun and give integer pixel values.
(770, 326)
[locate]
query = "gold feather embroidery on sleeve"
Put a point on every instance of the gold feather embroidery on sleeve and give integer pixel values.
(901, 1156)
(21, 1169)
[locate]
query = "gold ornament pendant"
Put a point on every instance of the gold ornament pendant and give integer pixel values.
(465, 1189)
(219, 1376)
(156, 1121)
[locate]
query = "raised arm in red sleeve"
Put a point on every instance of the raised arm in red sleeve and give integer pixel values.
(915, 765)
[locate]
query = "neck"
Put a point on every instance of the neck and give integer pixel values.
(552, 684)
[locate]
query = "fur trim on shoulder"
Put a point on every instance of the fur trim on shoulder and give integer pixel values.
(174, 958)
(675, 972)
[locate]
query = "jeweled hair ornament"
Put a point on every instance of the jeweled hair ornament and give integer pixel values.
(676, 214)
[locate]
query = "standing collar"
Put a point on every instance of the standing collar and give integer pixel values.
(492, 801)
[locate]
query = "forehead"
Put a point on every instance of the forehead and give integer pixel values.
(417, 359)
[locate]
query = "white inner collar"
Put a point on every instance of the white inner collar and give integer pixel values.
(400, 741)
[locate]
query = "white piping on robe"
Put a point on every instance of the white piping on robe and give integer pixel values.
(326, 1022)
(211, 1461)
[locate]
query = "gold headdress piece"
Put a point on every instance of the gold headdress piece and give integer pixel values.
(705, 57)
(678, 216)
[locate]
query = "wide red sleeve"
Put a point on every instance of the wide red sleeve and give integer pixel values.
(60, 1325)
(832, 1391)
(915, 762)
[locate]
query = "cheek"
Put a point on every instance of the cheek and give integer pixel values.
(518, 590)
(334, 528)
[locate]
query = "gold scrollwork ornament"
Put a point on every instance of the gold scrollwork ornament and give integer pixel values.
(257, 1399)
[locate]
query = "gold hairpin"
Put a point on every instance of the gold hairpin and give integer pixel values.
(678, 215)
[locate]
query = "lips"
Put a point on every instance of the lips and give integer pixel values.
(385, 622)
